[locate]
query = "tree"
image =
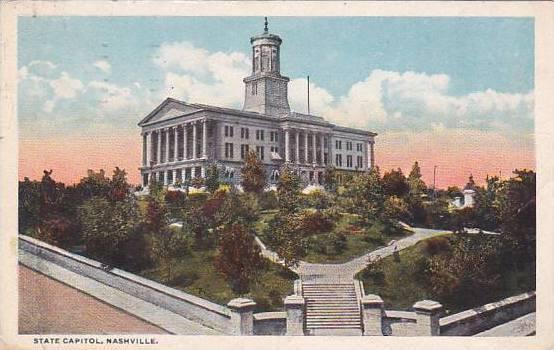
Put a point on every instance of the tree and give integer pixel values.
(330, 182)
(284, 235)
(29, 205)
(253, 174)
(417, 186)
(106, 225)
(288, 191)
(395, 183)
(417, 189)
(94, 184)
(212, 178)
(167, 246)
(119, 187)
(238, 258)
(364, 196)
(486, 210)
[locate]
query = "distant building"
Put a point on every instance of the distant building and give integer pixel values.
(180, 139)
(469, 195)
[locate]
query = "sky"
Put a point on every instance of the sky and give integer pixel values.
(455, 93)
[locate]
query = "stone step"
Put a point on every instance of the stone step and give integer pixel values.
(332, 307)
(333, 324)
(333, 312)
(350, 294)
(338, 318)
(334, 327)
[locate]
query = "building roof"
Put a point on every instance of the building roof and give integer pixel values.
(292, 116)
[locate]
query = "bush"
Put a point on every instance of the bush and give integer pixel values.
(268, 200)
(436, 245)
(316, 223)
(275, 298)
(183, 279)
(198, 197)
(338, 242)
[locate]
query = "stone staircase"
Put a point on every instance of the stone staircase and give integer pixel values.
(332, 309)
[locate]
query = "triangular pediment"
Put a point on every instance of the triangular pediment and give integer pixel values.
(169, 109)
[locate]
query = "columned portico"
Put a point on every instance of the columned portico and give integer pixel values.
(194, 140)
(159, 151)
(305, 147)
(314, 160)
(185, 139)
(297, 137)
(175, 144)
(204, 139)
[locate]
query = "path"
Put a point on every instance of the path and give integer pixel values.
(345, 272)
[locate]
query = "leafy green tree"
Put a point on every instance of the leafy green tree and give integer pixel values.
(253, 174)
(364, 195)
(288, 191)
(416, 184)
(119, 187)
(486, 208)
(212, 178)
(95, 184)
(330, 182)
(240, 208)
(106, 225)
(238, 258)
(284, 235)
(29, 205)
(415, 201)
(168, 246)
(395, 183)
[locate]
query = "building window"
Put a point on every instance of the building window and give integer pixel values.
(349, 161)
(359, 147)
(325, 158)
(254, 88)
(244, 134)
(228, 131)
(273, 136)
(338, 160)
(260, 135)
(228, 150)
(243, 151)
(349, 146)
(359, 162)
(338, 144)
(260, 152)
(274, 149)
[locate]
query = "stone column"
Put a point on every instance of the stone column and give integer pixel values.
(151, 149)
(371, 160)
(194, 139)
(320, 137)
(297, 135)
(295, 308)
(192, 172)
(159, 148)
(145, 149)
(427, 317)
(204, 139)
(185, 150)
(305, 147)
(174, 176)
(373, 311)
(287, 145)
(314, 158)
(242, 316)
(175, 144)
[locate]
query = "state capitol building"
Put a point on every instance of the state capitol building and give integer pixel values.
(181, 139)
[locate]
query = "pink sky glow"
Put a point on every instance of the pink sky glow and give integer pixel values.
(457, 153)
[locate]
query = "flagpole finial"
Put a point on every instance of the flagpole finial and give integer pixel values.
(265, 25)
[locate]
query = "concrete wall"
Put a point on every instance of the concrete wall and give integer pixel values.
(399, 323)
(191, 307)
(476, 320)
(270, 323)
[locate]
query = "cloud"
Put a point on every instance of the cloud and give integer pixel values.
(103, 65)
(112, 98)
(320, 99)
(66, 86)
(417, 101)
(196, 75)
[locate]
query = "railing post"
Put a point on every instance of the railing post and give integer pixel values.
(373, 310)
(295, 308)
(242, 316)
(427, 317)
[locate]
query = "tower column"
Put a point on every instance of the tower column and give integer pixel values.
(320, 137)
(151, 149)
(145, 149)
(166, 145)
(194, 139)
(371, 160)
(287, 145)
(175, 143)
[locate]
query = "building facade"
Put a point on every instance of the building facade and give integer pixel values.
(181, 139)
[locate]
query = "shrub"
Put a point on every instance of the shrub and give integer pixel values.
(436, 245)
(174, 197)
(275, 298)
(338, 242)
(316, 222)
(268, 200)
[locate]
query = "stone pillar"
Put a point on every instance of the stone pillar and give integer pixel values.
(297, 135)
(427, 317)
(185, 150)
(174, 176)
(314, 158)
(242, 316)
(371, 160)
(159, 148)
(305, 147)
(203, 172)
(320, 137)
(287, 145)
(145, 149)
(175, 144)
(330, 148)
(295, 308)
(192, 172)
(151, 149)
(373, 311)
(194, 139)
(166, 145)
(204, 139)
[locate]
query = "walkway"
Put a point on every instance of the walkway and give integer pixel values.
(338, 273)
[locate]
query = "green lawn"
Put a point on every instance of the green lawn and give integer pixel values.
(196, 275)
(402, 282)
(358, 242)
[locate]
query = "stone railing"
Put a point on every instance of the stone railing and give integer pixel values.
(473, 321)
(425, 319)
(270, 323)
